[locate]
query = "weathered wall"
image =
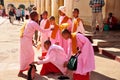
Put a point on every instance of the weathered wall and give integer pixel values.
(114, 7)
(85, 10)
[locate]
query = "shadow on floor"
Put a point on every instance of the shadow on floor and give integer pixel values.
(49, 77)
(18, 24)
(38, 77)
(98, 76)
(94, 76)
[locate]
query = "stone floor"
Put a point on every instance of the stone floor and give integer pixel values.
(109, 41)
(106, 68)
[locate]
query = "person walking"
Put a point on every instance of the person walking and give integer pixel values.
(22, 14)
(11, 15)
(18, 14)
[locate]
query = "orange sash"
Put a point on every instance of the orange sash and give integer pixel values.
(65, 19)
(76, 23)
(47, 25)
(74, 43)
(22, 29)
(63, 26)
(64, 23)
(54, 32)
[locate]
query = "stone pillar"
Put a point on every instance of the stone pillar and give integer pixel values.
(42, 5)
(35, 2)
(104, 10)
(48, 7)
(61, 2)
(38, 5)
(54, 11)
(69, 7)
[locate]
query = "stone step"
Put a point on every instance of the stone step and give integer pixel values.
(108, 37)
(108, 54)
(114, 51)
(115, 44)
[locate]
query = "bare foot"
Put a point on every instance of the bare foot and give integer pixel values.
(117, 59)
(20, 74)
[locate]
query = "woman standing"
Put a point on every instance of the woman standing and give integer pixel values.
(26, 49)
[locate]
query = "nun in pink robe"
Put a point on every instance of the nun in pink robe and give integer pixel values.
(26, 46)
(44, 36)
(86, 62)
(56, 40)
(55, 55)
(80, 27)
(63, 42)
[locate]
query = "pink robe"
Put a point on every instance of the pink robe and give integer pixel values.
(43, 36)
(63, 42)
(86, 62)
(57, 56)
(26, 49)
(80, 27)
(57, 38)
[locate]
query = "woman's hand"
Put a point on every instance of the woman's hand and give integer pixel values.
(35, 62)
(57, 43)
(65, 64)
(41, 58)
(38, 45)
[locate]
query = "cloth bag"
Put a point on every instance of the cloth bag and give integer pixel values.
(106, 27)
(72, 63)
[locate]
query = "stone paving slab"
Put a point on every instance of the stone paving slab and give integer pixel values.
(2, 20)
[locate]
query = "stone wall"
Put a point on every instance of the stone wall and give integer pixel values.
(85, 10)
(114, 7)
